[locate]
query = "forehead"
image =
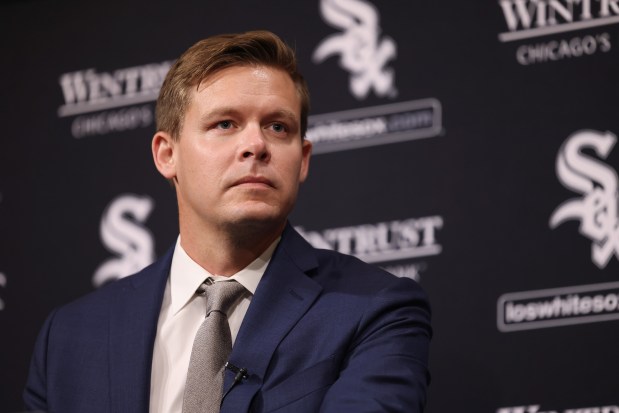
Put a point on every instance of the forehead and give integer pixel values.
(246, 85)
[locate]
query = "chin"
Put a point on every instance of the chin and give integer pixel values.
(263, 217)
(257, 216)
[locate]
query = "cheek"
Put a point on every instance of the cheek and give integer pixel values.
(194, 174)
(202, 162)
(294, 173)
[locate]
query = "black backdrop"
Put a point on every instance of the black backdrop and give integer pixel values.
(441, 165)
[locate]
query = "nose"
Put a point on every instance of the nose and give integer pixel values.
(254, 145)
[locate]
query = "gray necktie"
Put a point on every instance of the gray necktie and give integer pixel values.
(211, 348)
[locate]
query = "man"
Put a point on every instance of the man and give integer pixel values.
(312, 330)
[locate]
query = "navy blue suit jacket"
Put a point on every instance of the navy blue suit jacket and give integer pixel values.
(324, 332)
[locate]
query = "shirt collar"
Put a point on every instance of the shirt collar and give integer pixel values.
(186, 275)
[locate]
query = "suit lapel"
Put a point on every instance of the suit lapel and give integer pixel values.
(283, 296)
(133, 326)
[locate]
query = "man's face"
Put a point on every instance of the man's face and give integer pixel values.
(240, 157)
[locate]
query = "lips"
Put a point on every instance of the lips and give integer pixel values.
(253, 180)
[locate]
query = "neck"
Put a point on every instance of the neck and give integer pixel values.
(226, 251)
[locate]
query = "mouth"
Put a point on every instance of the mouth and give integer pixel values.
(254, 181)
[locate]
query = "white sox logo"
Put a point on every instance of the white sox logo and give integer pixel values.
(363, 54)
(122, 233)
(597, 182)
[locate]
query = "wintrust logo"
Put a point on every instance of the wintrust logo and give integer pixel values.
(123, 233)
(365, 54)
(384, 243)
(113, 96)
(361, 49)
(527, 19)
(533, 18)
(596, 182)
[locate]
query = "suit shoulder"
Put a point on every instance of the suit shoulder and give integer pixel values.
(99, 300)
(93, 304)
(337, 268)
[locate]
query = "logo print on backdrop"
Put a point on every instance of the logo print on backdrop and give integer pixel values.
(122, 232)
(554, 307)
(365, 55)
(3, 279)
(384, 242)
(534, 18)
(3, 282)
(535, 408)
(521, 409)
(597, 210)
(362, 52)
(526, 19)
(92, 95)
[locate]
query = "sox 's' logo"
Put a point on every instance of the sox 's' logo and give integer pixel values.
(597, 182)
(122, 233)
(363, 54)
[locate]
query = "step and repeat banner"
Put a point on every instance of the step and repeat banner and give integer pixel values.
(468, 145)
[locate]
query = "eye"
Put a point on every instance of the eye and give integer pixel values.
(224, 124)
(279, 127)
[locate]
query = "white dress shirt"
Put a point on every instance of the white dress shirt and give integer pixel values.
(182, 313)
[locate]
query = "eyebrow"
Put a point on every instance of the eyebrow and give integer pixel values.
(284, 113)
(231, 111)
(219, 112)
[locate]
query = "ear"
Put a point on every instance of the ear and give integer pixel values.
(163, 154)
(306, 152)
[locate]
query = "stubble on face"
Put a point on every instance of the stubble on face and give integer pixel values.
(240, 154)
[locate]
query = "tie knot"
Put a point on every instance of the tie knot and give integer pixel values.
(220, 296)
